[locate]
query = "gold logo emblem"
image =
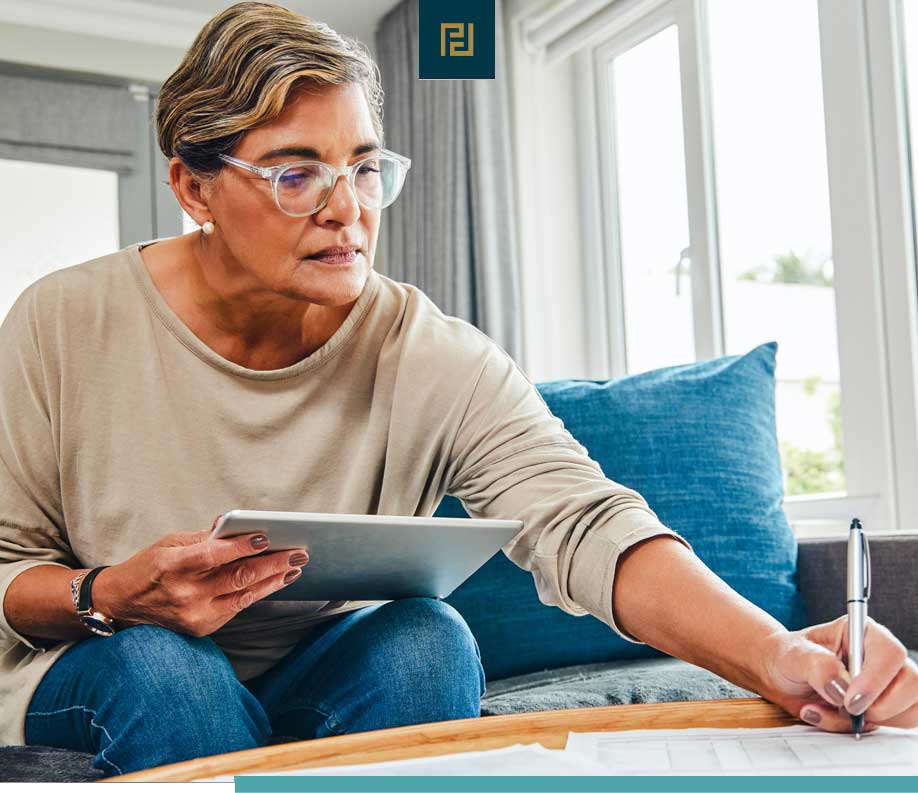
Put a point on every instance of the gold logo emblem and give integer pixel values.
(455, 32)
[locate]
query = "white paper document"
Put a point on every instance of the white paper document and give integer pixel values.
(517, 760)
(796, 750)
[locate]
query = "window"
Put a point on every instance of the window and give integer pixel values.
(770, 262)
(84, 186)
(653, 207)
(41, 233)
(774, 224)
(797, 225)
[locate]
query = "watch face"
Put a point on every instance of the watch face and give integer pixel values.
(98, 626)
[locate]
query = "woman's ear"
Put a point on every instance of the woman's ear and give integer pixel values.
(190, 191)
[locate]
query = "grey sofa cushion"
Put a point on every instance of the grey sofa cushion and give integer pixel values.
(609, 683)
(46, 764)
(822, 564)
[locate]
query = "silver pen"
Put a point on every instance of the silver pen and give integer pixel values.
(858, 594)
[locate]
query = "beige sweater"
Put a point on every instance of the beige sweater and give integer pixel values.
(119, 426)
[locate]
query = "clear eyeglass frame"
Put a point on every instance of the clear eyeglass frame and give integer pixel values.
(273, 174)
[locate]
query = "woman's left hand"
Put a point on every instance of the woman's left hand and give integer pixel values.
(806, 673)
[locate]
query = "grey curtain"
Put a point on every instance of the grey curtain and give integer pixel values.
(66, 122)
(451, 232)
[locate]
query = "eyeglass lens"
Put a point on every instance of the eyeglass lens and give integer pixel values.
(302, 188)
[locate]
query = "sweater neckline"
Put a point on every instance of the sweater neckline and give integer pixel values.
(184, 334)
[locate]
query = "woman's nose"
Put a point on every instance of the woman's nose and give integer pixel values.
(342, 204)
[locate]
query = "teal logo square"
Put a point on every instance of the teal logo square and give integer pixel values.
(456, 39)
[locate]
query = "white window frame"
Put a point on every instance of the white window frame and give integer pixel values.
(594, 71)
(893, 175)
(871, 219)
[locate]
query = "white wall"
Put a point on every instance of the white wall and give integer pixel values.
(80, 52)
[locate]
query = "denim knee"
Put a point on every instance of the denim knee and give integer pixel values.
(435, 644)
(189, 679)
(150, 696)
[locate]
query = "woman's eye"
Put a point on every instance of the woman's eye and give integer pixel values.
(297, 177)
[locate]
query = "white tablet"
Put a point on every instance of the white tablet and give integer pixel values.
(374, 557)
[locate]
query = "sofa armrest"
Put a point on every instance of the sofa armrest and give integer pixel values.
(822, 570)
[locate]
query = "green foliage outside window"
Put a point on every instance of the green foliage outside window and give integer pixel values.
(813, 471)
(807, 470)
(789, 268)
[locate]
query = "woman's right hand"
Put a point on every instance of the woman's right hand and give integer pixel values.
(193, 584)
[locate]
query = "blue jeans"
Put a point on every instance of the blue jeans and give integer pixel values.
(148, 696)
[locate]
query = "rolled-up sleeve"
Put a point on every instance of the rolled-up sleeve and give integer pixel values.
(512, 458)
(31, 520)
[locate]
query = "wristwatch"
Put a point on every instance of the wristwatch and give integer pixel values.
(81, 591)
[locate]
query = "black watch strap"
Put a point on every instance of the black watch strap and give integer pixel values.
(85, 601)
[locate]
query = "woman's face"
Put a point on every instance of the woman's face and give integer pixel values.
(272, 249)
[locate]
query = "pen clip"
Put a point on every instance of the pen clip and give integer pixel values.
(865, 557)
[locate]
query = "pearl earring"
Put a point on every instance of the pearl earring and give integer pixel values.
(208, 227)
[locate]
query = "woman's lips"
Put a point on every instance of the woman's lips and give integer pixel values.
(336, 258)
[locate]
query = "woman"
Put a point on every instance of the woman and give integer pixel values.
(255, 364)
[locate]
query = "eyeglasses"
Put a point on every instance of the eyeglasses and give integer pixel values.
(302, 188)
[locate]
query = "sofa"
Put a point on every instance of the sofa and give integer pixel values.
(699, 443)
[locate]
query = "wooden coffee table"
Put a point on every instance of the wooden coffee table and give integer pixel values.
(549, 728)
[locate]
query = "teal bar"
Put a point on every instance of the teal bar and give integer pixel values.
(576, 784)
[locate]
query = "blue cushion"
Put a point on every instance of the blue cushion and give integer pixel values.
(698, 441)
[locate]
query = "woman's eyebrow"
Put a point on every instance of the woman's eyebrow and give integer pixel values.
(309, 153)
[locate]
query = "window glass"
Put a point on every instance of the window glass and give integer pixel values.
(774, 222)
(52, 216)
(653, 209)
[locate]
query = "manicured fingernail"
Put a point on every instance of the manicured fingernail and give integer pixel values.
(259, 541)
(835, 690)
(857, 705)
(812, 716)
(292, 575)
(298, 559)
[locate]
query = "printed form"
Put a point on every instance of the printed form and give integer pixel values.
(796, 750)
